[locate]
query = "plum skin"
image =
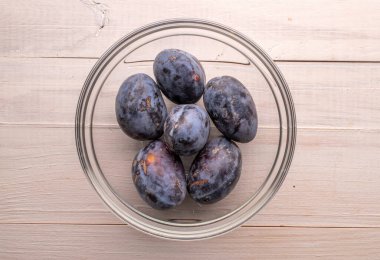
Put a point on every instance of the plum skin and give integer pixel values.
(186, 129)
(215, 171)
(159, 176)
(140, 108)
(179, 75)
(231, 108)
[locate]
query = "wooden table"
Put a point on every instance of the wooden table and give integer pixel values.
(328, 207)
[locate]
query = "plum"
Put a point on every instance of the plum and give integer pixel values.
(179, 75)
(231, 108)
(159, 176)
(186, 129)
(215, 171)
(140, 108)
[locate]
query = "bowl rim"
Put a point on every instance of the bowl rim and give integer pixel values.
(81, 134)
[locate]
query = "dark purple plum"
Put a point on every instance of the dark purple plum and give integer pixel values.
(140, 108)
(215, 171)
(231, 108)
(159, 176)
(179, 75)
(186, 129)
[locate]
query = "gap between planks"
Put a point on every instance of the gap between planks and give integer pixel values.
(275, 60)
(242, 226)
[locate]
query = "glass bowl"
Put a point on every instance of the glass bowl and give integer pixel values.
(106, 153)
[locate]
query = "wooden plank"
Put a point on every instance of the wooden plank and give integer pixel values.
(300, 30)
(121, 242)
(333, 180)
(326, 95)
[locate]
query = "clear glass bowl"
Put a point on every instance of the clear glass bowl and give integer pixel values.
(106, 153)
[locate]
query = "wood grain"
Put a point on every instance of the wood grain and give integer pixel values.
(326, 95)
(328, 206)
(114, 242)
(295, 30)
(42, 180)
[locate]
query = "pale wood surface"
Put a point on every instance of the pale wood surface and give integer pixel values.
(329, 53)
(122, 242)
